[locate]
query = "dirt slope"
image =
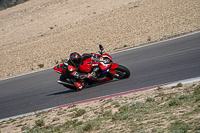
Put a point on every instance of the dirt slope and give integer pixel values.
(43, 32)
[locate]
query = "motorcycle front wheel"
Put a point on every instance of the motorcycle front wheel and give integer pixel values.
(122, 72)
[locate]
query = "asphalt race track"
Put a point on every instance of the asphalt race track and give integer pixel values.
(160, 63)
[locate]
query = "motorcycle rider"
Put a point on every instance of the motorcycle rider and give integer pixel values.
(71, 66)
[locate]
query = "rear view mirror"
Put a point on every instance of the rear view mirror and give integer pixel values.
(101, 47)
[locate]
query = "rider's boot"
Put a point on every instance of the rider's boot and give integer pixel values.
(79, 85)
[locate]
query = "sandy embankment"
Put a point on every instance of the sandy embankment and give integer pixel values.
(43, 32)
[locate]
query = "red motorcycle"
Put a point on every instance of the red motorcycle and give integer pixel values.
(107, 69)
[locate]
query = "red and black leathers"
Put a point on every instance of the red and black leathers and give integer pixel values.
(76, 76)
(72, 71)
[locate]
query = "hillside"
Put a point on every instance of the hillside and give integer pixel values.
(38, 34)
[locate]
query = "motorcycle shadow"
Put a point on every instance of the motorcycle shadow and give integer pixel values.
(86, 87)
(61, 92)
(99, 84)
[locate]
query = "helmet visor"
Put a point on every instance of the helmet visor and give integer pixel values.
(77, 61)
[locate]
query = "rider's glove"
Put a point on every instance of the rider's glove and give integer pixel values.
(86, 76)
(89, 76)
(92, 75)
(83, 77)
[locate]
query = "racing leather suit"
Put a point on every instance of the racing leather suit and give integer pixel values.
(72, 71)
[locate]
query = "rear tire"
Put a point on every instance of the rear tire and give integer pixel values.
(122, 72)
(71, 86)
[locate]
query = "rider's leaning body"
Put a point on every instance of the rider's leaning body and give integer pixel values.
(72, 64)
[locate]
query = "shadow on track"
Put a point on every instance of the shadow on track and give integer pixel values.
(86, 87)
(62, 92)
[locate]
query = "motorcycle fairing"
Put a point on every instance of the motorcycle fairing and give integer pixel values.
(104, 66)
(107, 70)
(110, 70)
(105, 55)
(89, 62)
(59, 69)
(113, 67)
(86, 65)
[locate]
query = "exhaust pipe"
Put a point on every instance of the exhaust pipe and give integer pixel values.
(66, 83)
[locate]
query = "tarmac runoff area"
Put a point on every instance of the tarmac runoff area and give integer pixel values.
(191, 80)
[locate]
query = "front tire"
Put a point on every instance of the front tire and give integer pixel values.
(122, 72)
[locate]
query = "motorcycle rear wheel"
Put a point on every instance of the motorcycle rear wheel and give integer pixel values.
(69, 84)
(122, 72)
